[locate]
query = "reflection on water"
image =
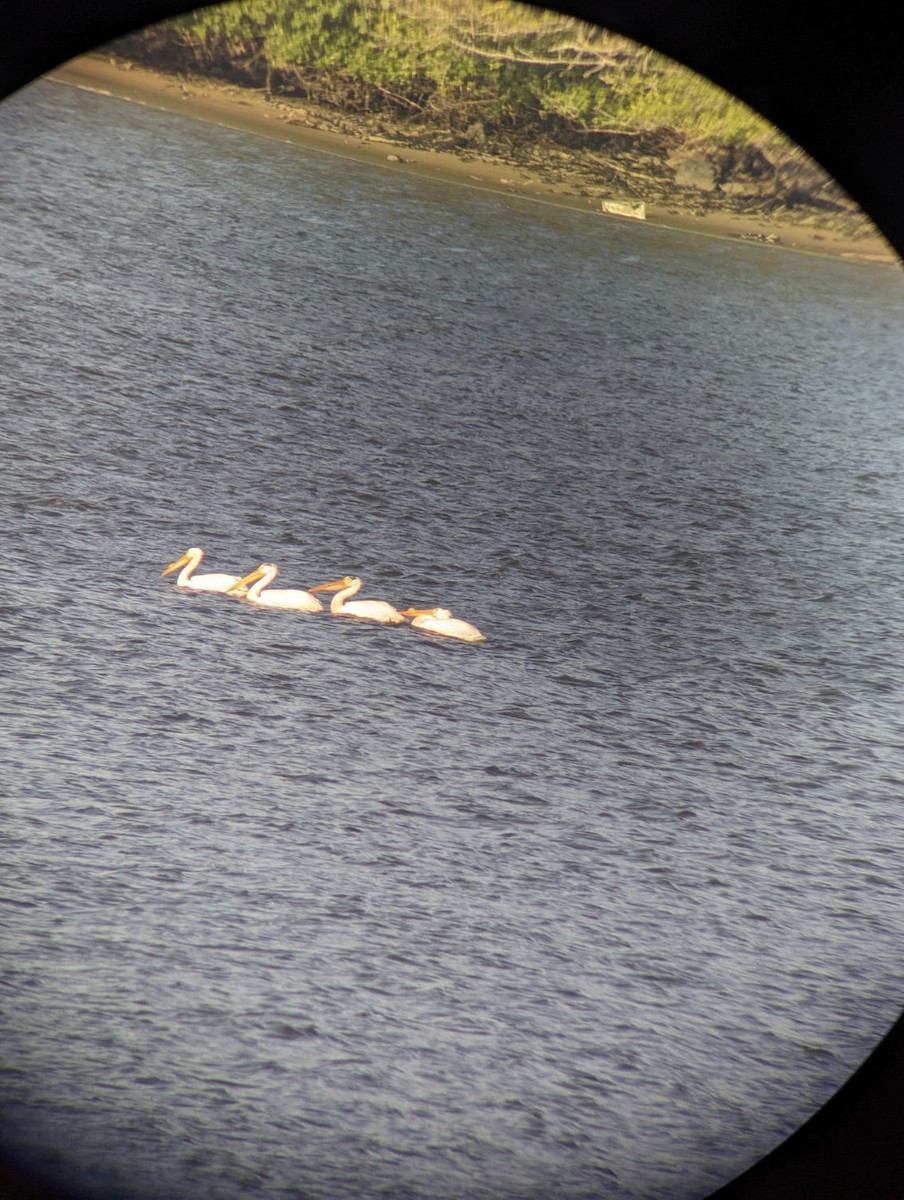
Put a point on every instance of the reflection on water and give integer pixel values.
(301, 907)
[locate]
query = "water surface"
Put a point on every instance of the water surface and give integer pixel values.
(295, 907)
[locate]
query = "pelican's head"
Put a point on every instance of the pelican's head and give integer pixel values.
(337, 585)
(241, 585)
(442, 613)
(195, 553)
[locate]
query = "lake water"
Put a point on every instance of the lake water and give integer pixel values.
(304, 909)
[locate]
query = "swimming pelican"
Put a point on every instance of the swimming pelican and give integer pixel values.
(364, 610)
(293, 598)
(189, 562)
(441, 621)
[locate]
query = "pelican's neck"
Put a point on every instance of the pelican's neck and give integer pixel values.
(265, 580)
(338, 601)
(194, 561)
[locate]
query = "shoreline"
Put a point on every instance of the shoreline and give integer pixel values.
(253, 112)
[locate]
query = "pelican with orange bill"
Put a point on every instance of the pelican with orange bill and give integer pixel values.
(441, 622)
(362, 610)
(261, 594)
(189, 562)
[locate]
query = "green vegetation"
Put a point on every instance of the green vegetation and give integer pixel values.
(452, 63)
(508, 82)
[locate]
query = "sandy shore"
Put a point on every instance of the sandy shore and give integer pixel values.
(242, 108)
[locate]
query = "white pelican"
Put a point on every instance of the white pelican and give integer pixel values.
(441, 621)
(364, 610)
(294, 598)
(189, 562)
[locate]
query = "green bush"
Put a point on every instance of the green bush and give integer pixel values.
(457, 60)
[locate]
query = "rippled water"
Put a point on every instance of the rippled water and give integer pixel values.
(299, 908)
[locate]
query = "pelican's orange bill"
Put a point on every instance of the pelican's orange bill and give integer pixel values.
(249, 578)
(336, 586)
(180, 562)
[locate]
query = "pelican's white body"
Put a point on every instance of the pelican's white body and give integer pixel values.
(441, 622)
(261, 594)
(189, 562)
(363, 610)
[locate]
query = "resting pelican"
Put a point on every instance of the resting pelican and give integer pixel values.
(189, 562)
(364, 610)
(294, 598)
(441, 621)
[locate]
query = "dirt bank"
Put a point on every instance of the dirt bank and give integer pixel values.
(556, 177)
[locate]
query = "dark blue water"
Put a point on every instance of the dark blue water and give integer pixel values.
(303, 909)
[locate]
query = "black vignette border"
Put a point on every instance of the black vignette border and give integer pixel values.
(831, 79)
